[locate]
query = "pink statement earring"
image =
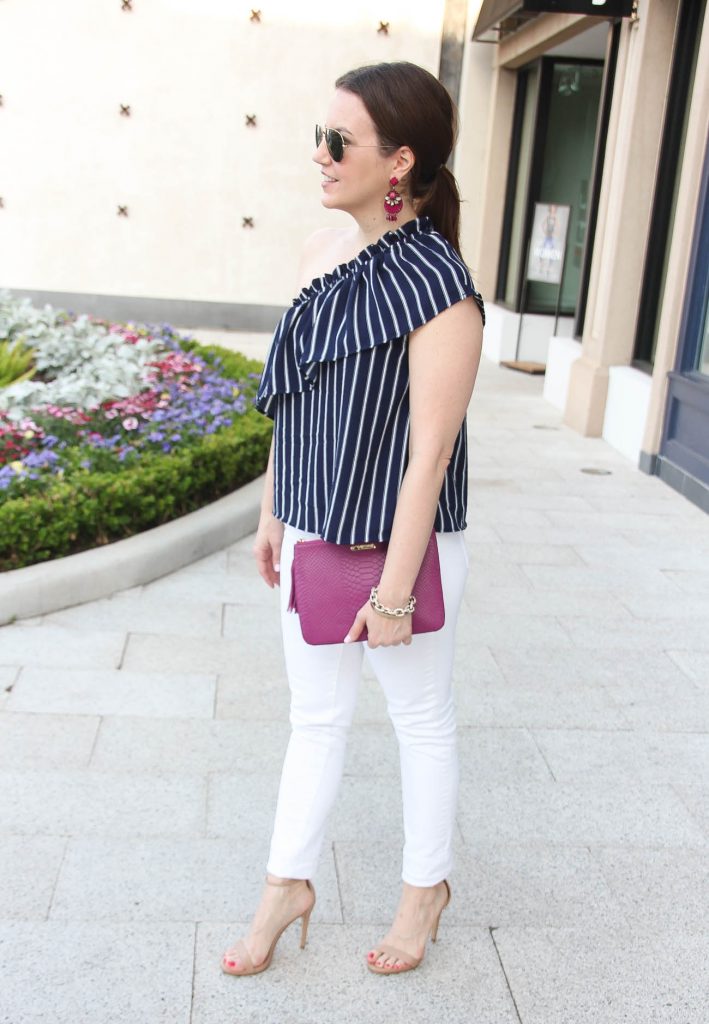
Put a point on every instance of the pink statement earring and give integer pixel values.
(392, 200)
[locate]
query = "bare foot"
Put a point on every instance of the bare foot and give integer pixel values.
(418, 909)
(280, 904)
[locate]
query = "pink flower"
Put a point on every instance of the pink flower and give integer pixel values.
(130, 423)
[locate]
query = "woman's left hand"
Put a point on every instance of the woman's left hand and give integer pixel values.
(381, 630)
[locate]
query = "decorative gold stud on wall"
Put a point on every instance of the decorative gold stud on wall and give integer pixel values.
(251, 120)
(255, 15)
(122, 211)
(125, 109)
(383, 29)
(126, 5)
(247, 222)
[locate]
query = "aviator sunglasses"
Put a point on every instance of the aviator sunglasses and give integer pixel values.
(335, 142)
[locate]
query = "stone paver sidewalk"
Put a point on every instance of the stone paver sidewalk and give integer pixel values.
(141, 740)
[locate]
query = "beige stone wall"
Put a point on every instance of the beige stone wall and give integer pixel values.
(471, 155)
(184, 163)
(625, 209)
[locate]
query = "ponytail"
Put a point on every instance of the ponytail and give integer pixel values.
(440, 200)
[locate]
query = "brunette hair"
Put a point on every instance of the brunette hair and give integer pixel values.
(410, 107)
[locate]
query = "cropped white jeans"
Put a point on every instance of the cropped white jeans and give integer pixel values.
(417, 683)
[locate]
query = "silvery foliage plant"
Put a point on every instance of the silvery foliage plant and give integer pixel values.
(82, 363)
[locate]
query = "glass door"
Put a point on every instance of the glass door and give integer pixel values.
(554, 140)
(570, 132)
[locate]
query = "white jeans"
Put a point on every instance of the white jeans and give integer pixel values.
(416, 680)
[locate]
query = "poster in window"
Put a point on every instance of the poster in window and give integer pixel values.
(546, 251)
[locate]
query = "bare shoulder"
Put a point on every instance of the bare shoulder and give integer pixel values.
(322, 251)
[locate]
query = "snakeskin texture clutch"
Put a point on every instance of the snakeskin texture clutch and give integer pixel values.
(331, 582)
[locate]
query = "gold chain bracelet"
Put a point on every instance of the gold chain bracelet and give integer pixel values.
(391, 613)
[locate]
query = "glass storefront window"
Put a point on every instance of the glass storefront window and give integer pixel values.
(551, 161)
(703, 361)
(572, 114)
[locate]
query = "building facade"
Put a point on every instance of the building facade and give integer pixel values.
(605, 117)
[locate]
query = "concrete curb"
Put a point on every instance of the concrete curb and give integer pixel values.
(102, 571)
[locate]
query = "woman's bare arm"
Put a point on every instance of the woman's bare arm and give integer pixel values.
(269, 535)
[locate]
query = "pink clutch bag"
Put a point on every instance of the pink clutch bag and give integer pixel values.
(331, 582)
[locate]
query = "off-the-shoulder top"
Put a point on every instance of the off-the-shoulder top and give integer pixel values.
(336, 384)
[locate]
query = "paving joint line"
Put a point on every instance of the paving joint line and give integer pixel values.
(337, 879)
(194, 971)
(215, 702)
(95, 741)
(67, 840)
(123, 651)
(492, 929)
(14, 681)
(532, 733)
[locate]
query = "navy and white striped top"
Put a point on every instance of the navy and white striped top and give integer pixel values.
(336, 383)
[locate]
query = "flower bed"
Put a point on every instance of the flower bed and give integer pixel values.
(161, 430)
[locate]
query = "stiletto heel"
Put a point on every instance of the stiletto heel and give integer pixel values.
(407, 961)
(434, 929)
(304, 927)
(240, 951)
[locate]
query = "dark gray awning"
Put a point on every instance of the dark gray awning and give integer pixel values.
(508, 15)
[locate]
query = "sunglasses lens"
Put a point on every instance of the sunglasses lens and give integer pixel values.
(333, 140)
(335, 144)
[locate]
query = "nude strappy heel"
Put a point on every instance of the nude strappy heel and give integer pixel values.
(240, 954)
(408, 962)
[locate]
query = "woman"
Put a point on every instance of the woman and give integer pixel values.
(368, 380)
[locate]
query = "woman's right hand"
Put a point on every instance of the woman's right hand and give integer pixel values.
(267, 548)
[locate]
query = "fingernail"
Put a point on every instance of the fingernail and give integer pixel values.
(276, 566)
(347, 639)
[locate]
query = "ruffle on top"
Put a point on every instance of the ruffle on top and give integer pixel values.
(389, 289)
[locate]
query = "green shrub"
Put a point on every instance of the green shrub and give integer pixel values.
(93, 508)
(102, 507)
